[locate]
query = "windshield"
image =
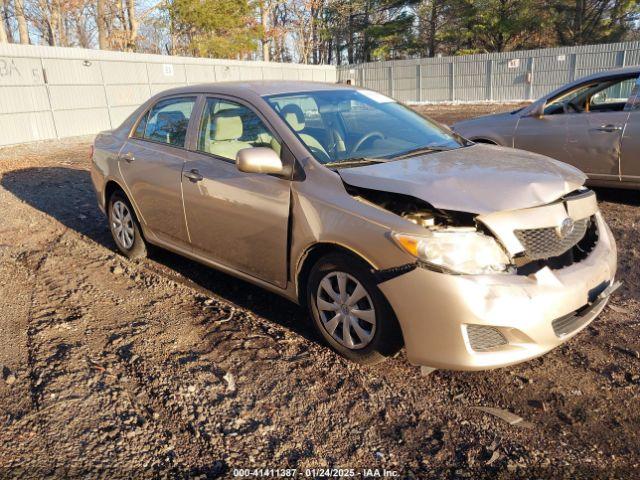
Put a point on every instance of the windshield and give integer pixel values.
(348, 126)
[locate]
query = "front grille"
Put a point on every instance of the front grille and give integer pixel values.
(541, 243)
(484, 338)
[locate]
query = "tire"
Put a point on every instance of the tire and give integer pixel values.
(128, 239)
(373, 333)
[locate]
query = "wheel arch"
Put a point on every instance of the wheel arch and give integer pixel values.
(111, 187)
(309, 258)
(484, 140)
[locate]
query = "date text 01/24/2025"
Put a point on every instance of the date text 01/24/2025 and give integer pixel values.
(314, 473)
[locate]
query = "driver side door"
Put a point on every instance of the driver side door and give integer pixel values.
(595, 134)
(546, 135)
(235, 219)
(554, 132)
(581, 126)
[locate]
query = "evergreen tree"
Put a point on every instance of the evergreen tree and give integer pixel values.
(215, 28)
(581, 22)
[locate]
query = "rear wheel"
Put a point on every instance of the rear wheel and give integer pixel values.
(125, 227)
(350, 312)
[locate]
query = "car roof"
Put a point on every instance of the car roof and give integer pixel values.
(258, 87)
(611, 73)
(635, 70)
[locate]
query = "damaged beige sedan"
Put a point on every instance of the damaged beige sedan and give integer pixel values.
(389, 228)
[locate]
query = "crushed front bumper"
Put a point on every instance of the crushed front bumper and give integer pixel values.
(526, 316)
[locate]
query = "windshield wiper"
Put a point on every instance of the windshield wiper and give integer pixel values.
(351, 162)
(419, 150)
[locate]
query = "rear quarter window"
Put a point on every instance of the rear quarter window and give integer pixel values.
(167, 121)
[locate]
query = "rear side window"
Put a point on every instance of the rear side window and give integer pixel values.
(167, 121)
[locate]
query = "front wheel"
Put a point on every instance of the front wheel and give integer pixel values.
(350, 312)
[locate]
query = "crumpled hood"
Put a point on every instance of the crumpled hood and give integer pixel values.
(478, 179)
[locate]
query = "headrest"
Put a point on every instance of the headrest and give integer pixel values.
(170, 118)
(227, 125)
(293, 115)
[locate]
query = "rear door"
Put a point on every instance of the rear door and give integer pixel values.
(237, 219)
(151, 163)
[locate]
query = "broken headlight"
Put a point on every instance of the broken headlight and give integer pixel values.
(456, 250)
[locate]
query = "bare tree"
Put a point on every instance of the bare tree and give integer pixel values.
(303, 27)
(101, 21)
(4, 38)
(81, 21)
(119, 24)
(132, 24)
(264, 22)
(23, 29)
(45, 20)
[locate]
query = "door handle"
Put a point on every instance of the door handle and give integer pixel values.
(128, 157)
(609, 128)
(193, 175)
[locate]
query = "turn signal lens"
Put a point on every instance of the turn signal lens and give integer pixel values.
(410, 244)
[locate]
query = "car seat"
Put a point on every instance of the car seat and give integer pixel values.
(294, 116)
(225, 133)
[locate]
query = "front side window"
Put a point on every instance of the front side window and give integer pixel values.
(343, 126)
(565, 103)
(167, 121)
(228, 127)
(604, 95)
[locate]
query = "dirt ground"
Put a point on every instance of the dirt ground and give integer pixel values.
(164, 368)
(451, 113)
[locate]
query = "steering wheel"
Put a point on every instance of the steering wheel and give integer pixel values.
(319, 155)
(336, 140)
(570, 107)
(366, 137)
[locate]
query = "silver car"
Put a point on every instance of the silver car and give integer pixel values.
(592, 123)
(390, 229)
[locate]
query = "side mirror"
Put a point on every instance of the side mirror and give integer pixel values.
(537, 111)
(259, 160)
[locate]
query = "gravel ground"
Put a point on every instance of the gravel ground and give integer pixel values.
(164, 368)
(451, 113)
